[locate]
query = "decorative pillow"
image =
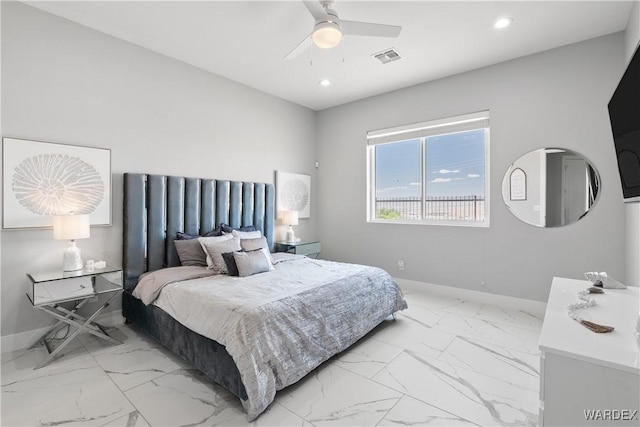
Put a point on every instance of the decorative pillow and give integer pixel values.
(214, 247)
(250, 263)
(190, 253)
(258, 244)
(230, 261)
(212, 239)
(186, 236)
(226, 228)
(247, 234)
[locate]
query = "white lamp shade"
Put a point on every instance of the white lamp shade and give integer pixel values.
(71, 227)
(290, 217)
(326, 35)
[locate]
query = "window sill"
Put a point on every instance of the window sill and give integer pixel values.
(443, 223)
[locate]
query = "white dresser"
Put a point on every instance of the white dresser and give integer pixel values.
(586, 378)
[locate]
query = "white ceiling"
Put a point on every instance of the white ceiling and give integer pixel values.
(246, 41)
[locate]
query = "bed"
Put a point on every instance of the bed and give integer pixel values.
(253, 334)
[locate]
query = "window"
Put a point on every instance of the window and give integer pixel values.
(430, 173)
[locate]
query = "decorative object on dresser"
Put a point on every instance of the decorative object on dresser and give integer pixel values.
(586, 302)
(311, 249)
(602, 279)
(585, 375)
(71, 227)
(48, 290)
(293, 193)
(290, 218)
(43, 179)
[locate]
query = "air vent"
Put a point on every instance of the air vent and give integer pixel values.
(387, 56)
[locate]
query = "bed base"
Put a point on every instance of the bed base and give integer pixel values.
(203, 353)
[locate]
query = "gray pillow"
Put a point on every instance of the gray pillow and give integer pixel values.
(250, 263)
(247, 234)
(258, 244)
(214, 247)
(190, 253)
(230, 261)
(226, 228)
(186, 236)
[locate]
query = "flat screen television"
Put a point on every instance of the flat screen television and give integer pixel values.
(624, 113)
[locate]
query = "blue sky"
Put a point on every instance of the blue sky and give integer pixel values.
(454, 166)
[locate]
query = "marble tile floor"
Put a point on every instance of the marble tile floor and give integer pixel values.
(442, 362)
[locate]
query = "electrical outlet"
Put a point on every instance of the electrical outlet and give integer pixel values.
(400, 264)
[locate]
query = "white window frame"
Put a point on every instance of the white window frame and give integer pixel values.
(466, 122)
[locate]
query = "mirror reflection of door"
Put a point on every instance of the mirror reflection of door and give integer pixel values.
(561, 187)
(574, 189)
(567, 183)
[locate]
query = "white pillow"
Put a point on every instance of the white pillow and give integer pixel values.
(247, 234)
(214, 246)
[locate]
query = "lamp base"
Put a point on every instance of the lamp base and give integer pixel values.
(72, 260)
(291, 236)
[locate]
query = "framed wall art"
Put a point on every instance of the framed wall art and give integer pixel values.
(43, 179)
(518, 184)
(293, 193)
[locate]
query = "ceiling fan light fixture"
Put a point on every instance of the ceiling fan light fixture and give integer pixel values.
(326, 35)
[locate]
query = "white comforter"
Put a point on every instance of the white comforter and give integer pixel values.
(280, 325)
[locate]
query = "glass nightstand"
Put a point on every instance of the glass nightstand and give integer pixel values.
(310, 249)
(48, 290)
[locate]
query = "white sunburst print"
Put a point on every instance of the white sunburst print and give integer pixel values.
(295, 195)
(53, 184)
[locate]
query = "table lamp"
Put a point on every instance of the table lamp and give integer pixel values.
(71, 227)
(290, 218)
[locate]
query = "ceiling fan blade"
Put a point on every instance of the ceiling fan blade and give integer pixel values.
(302, 46)
(355, 28)
(316, 10)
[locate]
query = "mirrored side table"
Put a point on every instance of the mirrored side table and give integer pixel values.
(311, 249)
(48, 290)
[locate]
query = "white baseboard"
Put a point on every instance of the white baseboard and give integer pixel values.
(26, 339)
(21, 340)
(536, 307)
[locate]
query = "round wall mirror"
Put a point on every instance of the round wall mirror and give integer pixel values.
(551, 187)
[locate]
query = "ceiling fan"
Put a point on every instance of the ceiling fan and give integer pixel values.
(329, 28)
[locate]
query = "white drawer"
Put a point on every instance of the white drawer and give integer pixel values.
(58, 290)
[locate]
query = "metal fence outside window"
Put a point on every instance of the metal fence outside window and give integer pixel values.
(450, 208)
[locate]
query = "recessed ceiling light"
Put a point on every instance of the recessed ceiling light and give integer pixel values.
(325, 82)
(502, 23)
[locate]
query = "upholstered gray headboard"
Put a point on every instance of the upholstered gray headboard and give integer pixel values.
(156, 207)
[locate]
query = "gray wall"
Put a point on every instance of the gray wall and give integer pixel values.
(632, 39)
(62, 82)
(556, 98)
